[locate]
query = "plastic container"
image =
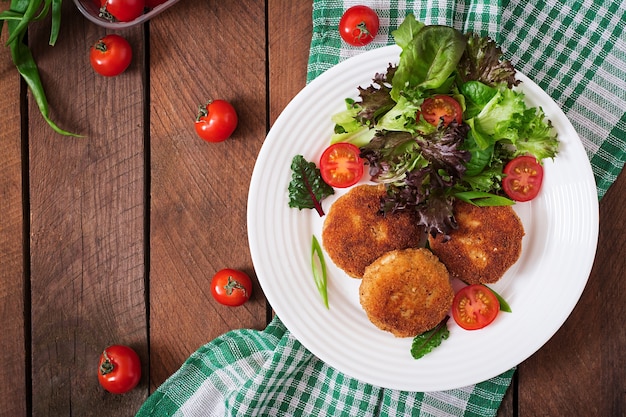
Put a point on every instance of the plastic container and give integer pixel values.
(90, 9)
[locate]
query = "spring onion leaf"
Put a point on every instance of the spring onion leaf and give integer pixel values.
(318, 265)
(21, 14)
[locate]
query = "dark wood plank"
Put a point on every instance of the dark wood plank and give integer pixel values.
(12, 343)
(199, 51)
(288, 50)
(580, 371)
(87, 222)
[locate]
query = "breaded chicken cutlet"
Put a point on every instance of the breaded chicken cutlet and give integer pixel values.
(486, 244)
(406, 292)
(355, 233)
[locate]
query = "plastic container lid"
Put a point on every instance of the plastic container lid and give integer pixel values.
(90, 9)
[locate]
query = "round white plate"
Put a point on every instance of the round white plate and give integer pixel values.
(542, 288)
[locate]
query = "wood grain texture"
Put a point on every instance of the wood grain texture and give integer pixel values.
(12, 283)
(119, 251)
(581, 370)
(87, 222)
(202, 51)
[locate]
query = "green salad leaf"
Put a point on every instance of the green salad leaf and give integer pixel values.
(307, 189)
(425, 343)
(426, 167)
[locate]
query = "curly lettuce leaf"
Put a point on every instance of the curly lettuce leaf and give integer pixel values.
(483, 61)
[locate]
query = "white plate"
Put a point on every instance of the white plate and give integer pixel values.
(542, 288)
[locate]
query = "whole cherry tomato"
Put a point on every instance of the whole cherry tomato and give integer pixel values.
(119, 370)
(122, 10)
(231, 287)
(111, 55)
(216, 121)
(358, 25)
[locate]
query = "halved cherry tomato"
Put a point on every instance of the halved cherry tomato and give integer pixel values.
(110, 55)
(122, 10)
(439, 107)
(523, 178)
(474, 307)
(119, 369)
(341, 166)
(231, 287)
(216, 121)
(359, 25)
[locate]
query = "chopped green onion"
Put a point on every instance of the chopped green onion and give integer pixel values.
(318, 265)
(483, 199)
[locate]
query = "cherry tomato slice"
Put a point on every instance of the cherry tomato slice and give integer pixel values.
(474, 307)
(216, 121)
(341, 166)
(119, 369)
(359, 25)
(523, 178)
(231, 287)
(439, 107)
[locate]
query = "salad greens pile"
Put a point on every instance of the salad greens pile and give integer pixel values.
(426, 167)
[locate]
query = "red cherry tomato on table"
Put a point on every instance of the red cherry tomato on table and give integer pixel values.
(231, 287)
(122, 10)
(474, 307)
(111, 55)
(216, 121)
(358, 25)
(341, 166)
(523, 178)
(439, 107)
(119, 370)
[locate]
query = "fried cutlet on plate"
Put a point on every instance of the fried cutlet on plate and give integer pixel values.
(406, 292)
(356, 233)
(486, 244)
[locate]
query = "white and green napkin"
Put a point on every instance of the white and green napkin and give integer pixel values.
(576, 51)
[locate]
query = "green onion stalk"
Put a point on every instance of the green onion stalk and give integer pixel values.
(18, 17)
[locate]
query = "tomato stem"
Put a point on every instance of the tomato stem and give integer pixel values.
(232, 285)
(106, 367)
(105, 14)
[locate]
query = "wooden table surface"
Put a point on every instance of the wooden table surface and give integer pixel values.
(113, 237)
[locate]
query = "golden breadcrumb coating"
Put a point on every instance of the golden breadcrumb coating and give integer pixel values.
(406, 292)
(486, 244)
(355, 233)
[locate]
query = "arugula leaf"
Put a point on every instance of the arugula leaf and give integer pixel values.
(425, 343)
(319, 270)
(307, 188)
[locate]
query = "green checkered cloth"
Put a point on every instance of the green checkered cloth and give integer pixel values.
(269, 373)
(575, 51)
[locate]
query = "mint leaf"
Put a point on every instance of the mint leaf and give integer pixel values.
(424, 343)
